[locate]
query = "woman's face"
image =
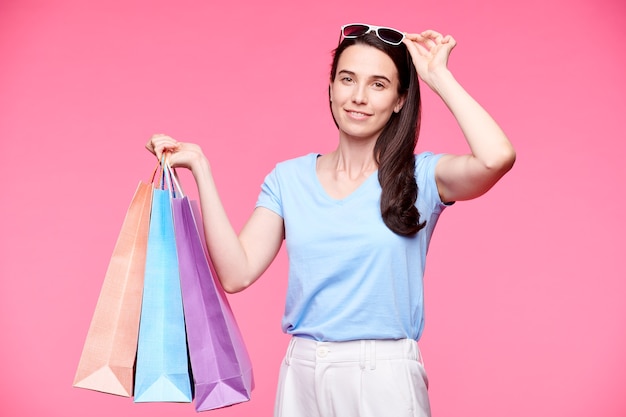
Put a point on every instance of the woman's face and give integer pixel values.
(364, 93)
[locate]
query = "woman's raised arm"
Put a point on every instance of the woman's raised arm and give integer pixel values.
(461, 177)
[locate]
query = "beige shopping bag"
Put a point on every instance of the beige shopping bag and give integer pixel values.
(108, 357)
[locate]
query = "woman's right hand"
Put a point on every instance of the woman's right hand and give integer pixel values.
(239, 260)
(178, 154)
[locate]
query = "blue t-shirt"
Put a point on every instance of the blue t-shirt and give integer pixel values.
(350, 276)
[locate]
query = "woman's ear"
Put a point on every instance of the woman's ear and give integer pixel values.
(400, 104)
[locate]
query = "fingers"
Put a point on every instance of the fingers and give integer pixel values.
(430, 38)
(431, 34)
(450, 41)
(415, 46)
(160, 143)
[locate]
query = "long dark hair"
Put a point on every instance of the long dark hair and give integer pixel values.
(395, 147)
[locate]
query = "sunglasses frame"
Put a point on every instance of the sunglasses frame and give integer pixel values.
(372, 28)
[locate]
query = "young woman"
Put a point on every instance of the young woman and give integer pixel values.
(357, 223)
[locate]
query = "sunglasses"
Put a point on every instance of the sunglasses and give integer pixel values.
(389, 35)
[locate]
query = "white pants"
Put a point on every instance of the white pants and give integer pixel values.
(362, 378)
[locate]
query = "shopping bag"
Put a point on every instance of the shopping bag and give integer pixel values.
(221, 367)
(162, 372)
(108, 357)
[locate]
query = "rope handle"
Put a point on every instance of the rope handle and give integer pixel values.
(171, 178)
(167, 176)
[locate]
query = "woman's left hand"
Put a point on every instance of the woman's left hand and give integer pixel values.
(461, 177)
(430, 51)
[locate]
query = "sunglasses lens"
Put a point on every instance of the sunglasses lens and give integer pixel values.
(355, 30)
(390, 35)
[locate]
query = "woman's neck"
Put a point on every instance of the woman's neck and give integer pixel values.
(353, 159)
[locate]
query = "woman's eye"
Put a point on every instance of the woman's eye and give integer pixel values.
(346, 79)
(379, 85)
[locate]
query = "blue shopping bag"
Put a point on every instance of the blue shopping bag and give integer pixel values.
(162, 372)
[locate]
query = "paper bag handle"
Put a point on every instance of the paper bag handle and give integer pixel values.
(171, 179)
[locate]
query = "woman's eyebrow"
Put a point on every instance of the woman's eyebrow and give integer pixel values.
(375, 77)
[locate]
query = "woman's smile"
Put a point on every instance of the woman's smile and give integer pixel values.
(358, 115)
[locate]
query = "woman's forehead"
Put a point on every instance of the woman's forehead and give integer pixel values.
(366, 60)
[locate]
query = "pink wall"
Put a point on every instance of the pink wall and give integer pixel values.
(525, 286)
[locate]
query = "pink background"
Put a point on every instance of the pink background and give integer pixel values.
(525, 288)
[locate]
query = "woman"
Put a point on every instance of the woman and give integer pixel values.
(357, 223)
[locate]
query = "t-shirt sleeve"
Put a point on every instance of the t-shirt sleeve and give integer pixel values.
(270, 197)
(425, 164)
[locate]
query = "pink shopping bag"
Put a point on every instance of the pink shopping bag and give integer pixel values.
(108, 356)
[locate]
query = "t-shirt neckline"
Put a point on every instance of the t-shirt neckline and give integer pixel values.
(320, 188)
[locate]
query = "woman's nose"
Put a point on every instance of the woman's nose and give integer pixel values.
(359, 95)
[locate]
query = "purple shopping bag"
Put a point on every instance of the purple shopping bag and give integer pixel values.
(221, 367)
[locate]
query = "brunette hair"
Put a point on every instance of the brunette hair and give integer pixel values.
(394, 150)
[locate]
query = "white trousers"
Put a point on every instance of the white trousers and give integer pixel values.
(362, 378)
